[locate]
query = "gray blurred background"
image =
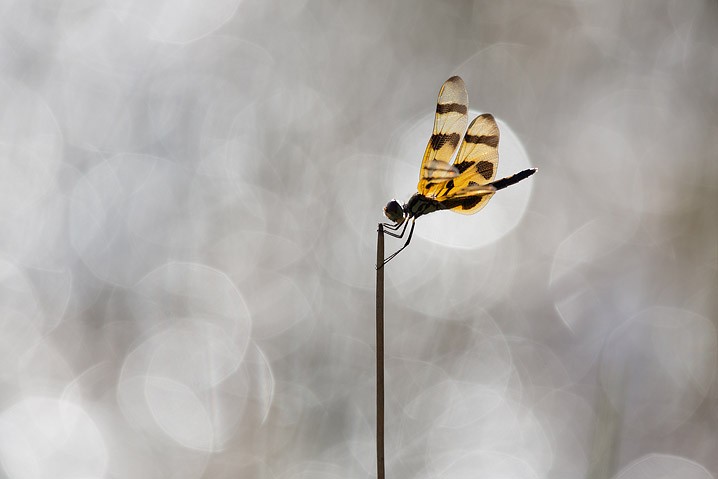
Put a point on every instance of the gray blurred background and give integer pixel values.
(190, 192)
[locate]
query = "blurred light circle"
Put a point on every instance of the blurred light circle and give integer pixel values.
(175, 22)
(663, 466)
(198, 333)
(184, 388)
(590, 243)
(486, 464)
(570, 421)
(206, 295)
(658, 367)
(77, 89)
(180, 413)
(359, 208)
(510, 430)
(103, 44)
(27, 178)
(282, 316)
(32, 143)
(124, 214)
(317, 470)
(44, 437)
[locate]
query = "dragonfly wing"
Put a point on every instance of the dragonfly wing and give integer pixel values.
(437, 171)
(468, 200)
(449, 124)
(476, 162)
(478, 156)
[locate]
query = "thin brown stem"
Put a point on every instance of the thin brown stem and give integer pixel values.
(380, 353)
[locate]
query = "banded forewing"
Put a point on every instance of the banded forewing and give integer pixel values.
(449, 125)
(450, 120)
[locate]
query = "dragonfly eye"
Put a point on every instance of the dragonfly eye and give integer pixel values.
(394, 212)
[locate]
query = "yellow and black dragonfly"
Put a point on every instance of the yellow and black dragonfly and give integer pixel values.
(467, 184)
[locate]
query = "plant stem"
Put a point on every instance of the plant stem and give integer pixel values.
(380, 353)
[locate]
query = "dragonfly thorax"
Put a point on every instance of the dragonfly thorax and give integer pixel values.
(419, 205)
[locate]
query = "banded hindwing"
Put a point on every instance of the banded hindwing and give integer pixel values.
(476, 162)
(449, 124)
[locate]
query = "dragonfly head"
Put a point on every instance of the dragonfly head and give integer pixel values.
(394, 211)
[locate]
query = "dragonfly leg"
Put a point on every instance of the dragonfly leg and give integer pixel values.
(392, 226)
(398, 235)
(408, 240)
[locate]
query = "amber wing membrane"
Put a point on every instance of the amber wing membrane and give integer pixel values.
(472, 198)
(449, 123)
(467, 205)
(478, 156)
(476, 162)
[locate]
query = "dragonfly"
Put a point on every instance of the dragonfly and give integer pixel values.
(467, 184)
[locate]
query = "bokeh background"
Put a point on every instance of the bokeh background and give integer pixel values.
(189, 198)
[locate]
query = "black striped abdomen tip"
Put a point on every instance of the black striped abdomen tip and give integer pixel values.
(513, 179)
(525, 173)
